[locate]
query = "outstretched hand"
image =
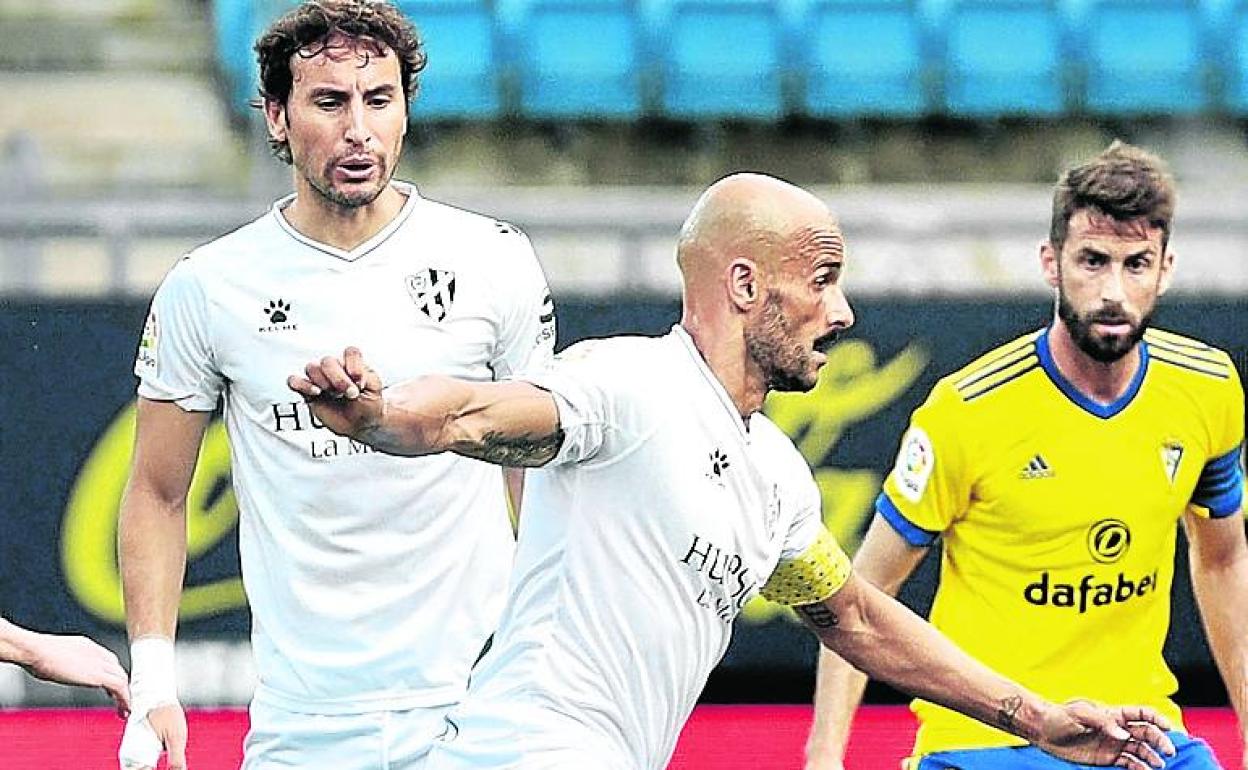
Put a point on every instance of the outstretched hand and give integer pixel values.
(77, 660)
(1125, 736)
(344, 394)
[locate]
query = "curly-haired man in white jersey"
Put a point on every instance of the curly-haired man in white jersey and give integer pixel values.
(374, 581)
(665, 500)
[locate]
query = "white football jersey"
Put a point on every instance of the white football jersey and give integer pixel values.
(374, 581)
(662, 515)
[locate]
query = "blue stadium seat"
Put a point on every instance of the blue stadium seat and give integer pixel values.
(1235, 58)
(722, 59)
(231, 22)
(579, 58)
(237, 25)
(1004, 57)
(865, 58)
(1144, 57)
(462, 78)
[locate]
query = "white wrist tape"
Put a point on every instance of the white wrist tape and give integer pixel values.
(153, 683)
(153, 680)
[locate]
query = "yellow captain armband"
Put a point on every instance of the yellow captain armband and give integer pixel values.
(820, 571)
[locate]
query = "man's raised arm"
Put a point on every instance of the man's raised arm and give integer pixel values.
(879, 636)
(513, 424)
(885, 560)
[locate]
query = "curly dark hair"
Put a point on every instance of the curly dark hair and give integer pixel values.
(1124, 182)
(306, 30)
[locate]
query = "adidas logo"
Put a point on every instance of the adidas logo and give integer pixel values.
(1036, 469)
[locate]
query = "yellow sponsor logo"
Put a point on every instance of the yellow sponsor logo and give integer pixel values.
(89, 529)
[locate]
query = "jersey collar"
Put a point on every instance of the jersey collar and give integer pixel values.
(1104, 411)
(686, 343)
(379, 238)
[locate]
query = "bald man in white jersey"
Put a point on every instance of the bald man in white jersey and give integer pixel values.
(374, 581)
(666, 500)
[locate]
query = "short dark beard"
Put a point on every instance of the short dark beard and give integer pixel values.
(1106, 350)
(769, 343)
(338, 198)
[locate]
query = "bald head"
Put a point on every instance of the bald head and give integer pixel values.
(746, 215)
(761, 261)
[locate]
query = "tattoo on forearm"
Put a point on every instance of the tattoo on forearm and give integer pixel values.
(1007, 711)
(525, 451)
(819, 615)
(383, 440)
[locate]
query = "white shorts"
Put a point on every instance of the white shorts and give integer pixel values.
(377, 740)
(481, 742)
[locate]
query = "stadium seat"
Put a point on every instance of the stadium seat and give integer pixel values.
(237, 25)
(1235, 58)
(462, 77)
(232, 25)
(579, 58)
(1144, 57)
(1004, 57)
(865, 58)
(722, 59)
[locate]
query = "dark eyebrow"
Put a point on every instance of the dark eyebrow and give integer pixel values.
(320, 91)
(383, 90)
(1089, 251)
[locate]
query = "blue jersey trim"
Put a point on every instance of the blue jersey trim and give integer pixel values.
(911, 533)
(1221, 485)
(1104, 411)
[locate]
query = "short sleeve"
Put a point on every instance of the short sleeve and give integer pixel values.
(807, 521)
(527, 337)
(175, 360)
(1219, 491)
(596, 413)
(930, 483)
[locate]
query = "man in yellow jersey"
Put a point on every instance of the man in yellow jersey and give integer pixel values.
(1054, 470)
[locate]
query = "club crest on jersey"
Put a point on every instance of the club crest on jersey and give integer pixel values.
(433, 291)
(914, 464)
(1171, 456)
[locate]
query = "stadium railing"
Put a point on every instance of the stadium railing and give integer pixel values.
(947, 239)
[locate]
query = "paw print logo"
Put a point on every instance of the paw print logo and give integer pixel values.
(277, 311)
(719, 464)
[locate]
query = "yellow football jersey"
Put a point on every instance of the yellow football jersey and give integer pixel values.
(1058, 517)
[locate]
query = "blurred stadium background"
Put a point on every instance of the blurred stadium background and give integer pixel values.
(934, 127)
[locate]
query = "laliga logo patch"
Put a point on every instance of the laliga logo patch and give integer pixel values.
(1108, 540)
(148, 344)
(914, 464)
(433, 291)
